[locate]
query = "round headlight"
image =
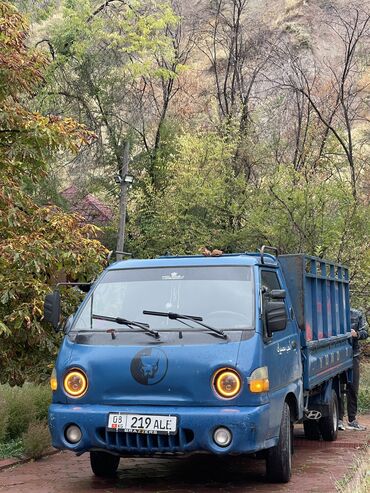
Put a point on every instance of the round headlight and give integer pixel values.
(227, 383)
(75, 383)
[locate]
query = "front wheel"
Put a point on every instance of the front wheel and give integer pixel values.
(104, 465)
(329, 424)
(279, 458)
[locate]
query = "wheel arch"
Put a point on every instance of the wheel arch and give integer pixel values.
(292, 402)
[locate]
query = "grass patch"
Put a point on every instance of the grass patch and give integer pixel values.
(13, 448)
(364, 392)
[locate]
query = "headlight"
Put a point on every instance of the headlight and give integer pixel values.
(75, 383)
(259, 380)
(53, 380)
(227, 383)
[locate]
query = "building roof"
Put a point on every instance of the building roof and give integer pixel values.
(88, 206)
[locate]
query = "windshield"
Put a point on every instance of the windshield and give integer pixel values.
(222, 296)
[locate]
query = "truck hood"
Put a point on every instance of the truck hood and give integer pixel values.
(153, 373)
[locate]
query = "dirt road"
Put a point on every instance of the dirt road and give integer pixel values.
(317, 468)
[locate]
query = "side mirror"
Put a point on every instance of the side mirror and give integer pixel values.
(276, 316)
(52, 309)
(277, 294)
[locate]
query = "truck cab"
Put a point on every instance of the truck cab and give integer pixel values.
(186, 354)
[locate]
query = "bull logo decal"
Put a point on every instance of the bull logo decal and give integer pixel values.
(149, 366)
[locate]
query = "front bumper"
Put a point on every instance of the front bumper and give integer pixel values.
(248, 425)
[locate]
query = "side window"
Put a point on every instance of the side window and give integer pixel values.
(270, 280)
(275, 308)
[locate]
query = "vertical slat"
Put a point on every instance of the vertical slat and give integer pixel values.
(314, 300)
(182, 438)
(319, 302)
(172, 441)
(161, 441)
(341, 300)
(107, 437)
(150, 441)
(333, 301)
(307, 299)
(324, 306)
(156, 441)
(346, 297)
(131, 441)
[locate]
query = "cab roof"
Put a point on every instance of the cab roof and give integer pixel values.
(196, 261)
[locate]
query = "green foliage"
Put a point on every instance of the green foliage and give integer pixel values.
(13, 448)
(36, 439)
(207, 202)
(194, 206)
(38, 245)
(36, 10)
(110, 67)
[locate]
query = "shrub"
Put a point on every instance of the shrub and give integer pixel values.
(22, 406)
(36, 439)
(21, 410)
(42, 400)
(3, 417)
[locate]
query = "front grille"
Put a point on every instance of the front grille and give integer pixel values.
(146, 443)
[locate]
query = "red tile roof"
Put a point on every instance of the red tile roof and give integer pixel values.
(90, 207)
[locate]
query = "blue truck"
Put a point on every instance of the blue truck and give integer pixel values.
(186, 354)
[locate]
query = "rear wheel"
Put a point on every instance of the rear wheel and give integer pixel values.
(329, 424)
(103, 464)
(311, 429)
(279, 458)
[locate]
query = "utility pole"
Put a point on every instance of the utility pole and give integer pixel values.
(124, 184)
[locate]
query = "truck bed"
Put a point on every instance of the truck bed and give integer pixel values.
(320, 296)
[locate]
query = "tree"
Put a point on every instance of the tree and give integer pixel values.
(108, 59)
(337, 90)
(38, 245)
(238, 48)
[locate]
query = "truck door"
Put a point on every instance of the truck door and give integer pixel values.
(282, 349)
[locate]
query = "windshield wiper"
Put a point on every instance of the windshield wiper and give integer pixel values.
(178, 316)
(129, 323)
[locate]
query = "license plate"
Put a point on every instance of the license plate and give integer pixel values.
(142, 423)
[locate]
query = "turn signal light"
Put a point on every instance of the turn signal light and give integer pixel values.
(75, 383)
(227, 383)
(53, 380)
(259, 380)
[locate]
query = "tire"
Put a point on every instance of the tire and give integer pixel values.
(311, 429)
(279, 458)
(104, 465)
(329, 424)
